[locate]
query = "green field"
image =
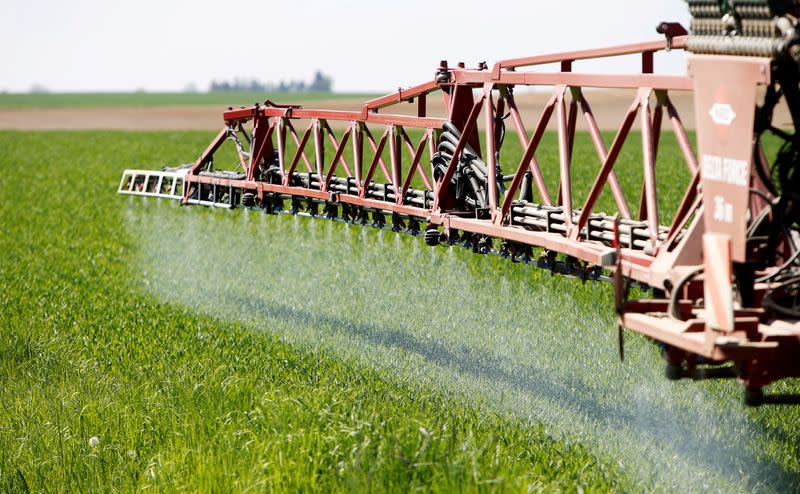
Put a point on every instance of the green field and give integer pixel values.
(66, 100)
(144, 345)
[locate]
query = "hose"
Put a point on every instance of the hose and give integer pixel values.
(675, 294)
(769, 301)
(783, 267)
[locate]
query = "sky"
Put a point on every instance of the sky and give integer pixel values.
(366, 46)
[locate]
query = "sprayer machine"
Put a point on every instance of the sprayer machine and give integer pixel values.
(722, 276)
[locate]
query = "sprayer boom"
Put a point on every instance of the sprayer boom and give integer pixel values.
(723, 270)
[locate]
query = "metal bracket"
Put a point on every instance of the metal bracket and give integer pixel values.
(671, 30)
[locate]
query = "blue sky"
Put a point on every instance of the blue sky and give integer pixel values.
(162, 45)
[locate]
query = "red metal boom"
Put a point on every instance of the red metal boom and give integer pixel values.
(375, 167)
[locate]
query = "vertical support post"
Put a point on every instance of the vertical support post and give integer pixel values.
(358, 152)
(573, 116)
(429, 137)
(394, 157)
(657, 119)
(498, 118)
(282, 145)
(647, 62)
(491, 161)
(648, 152)
(318, 149)
(565, 190)
(255, 144)
(432, 142)
(447, 97)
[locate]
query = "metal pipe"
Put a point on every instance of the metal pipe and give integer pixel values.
(648, 150)
(564, 155)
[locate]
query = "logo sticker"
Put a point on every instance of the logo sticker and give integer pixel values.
(722, 114)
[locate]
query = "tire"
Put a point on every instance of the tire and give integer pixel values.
(432, 237)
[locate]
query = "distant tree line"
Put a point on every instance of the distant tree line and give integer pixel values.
(321, 83)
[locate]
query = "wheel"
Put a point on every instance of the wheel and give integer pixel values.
(432, 237)
(248, 199)
(753, 397)
(673, 372)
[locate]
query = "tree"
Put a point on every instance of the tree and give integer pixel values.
(321, 83)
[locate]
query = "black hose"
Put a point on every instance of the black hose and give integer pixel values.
(769, 301)
(449, 127)
(476, 189)
(783, 267)
(453, 135)
(675, 294)
(478, 172)
(447, 146)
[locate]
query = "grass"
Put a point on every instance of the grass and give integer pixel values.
(64, 100)
(210, 350)
(185, 401)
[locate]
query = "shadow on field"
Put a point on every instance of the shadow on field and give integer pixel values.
(660, 426)
(782, 399)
